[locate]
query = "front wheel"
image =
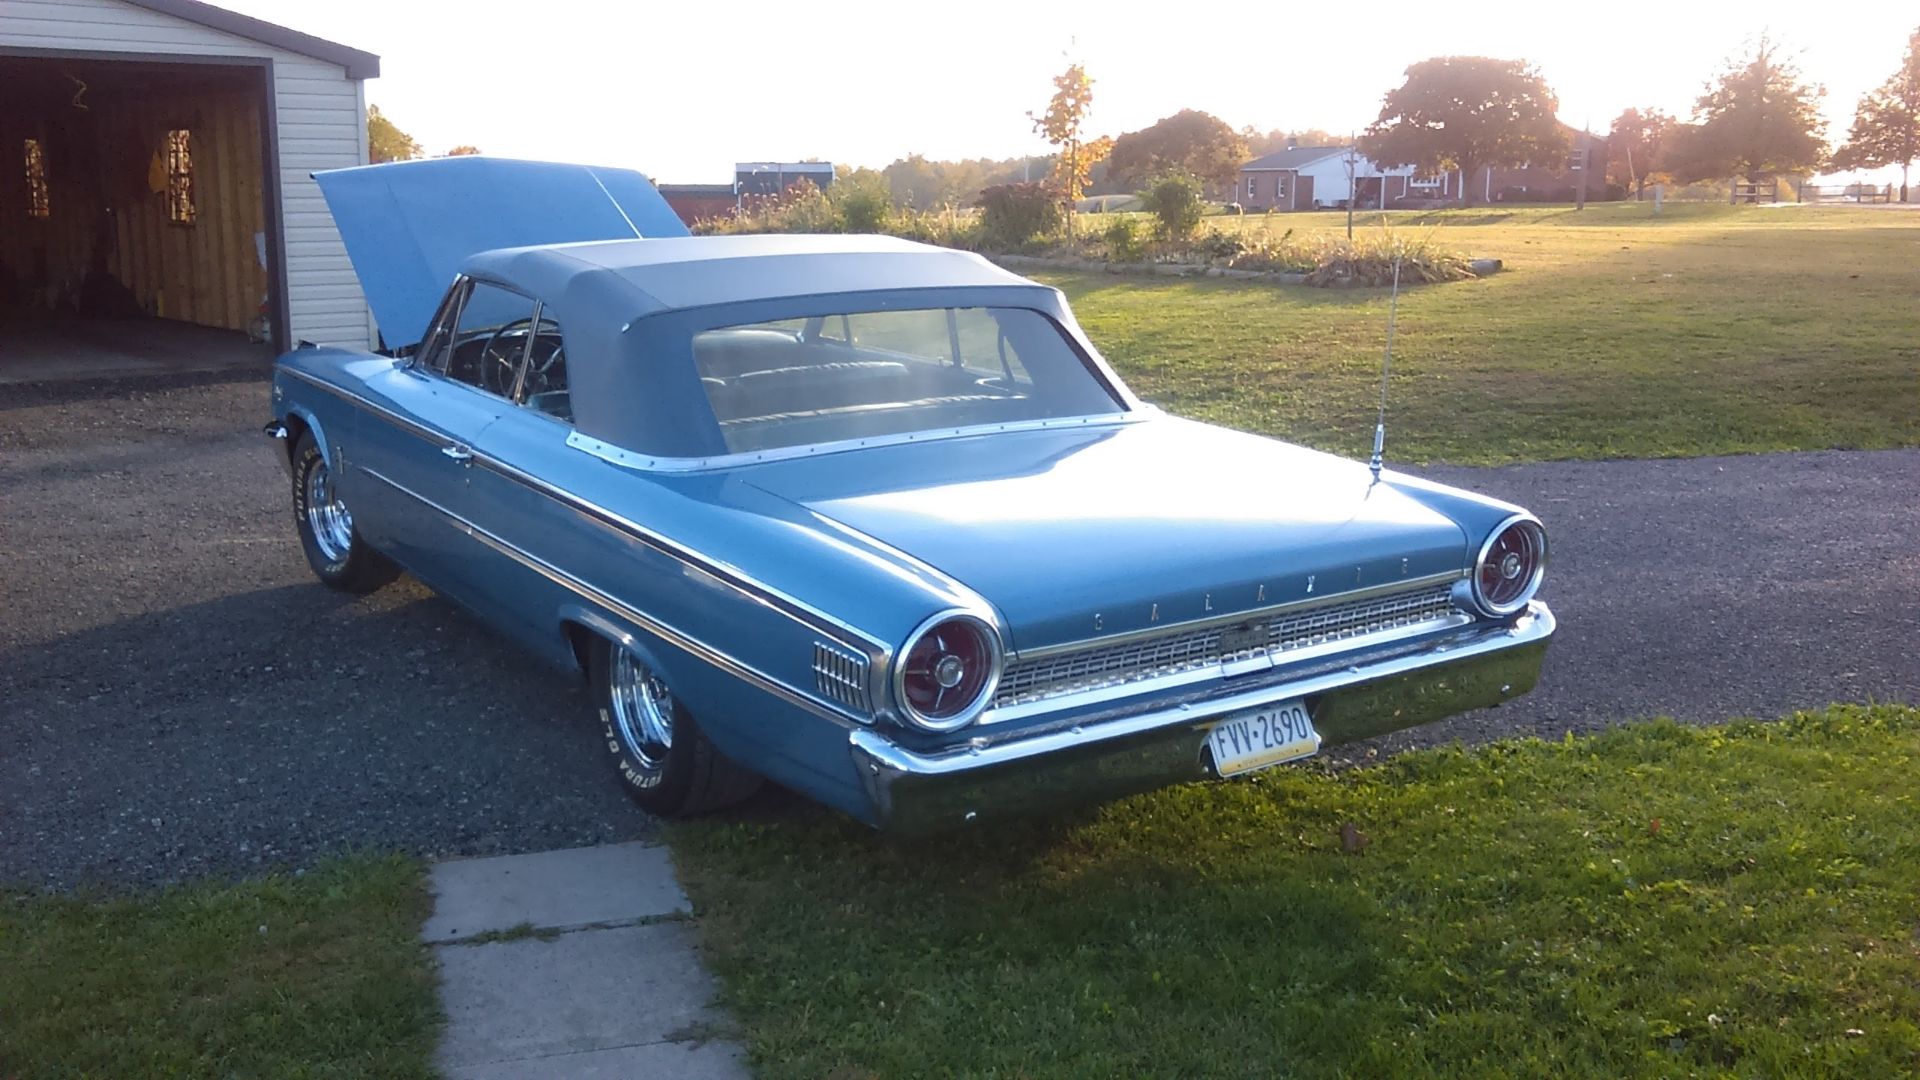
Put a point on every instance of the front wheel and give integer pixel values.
(335, 551)
(662, 758)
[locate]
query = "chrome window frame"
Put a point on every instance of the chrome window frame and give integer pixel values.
(447, 320)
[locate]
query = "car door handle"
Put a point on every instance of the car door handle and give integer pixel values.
(459, 453)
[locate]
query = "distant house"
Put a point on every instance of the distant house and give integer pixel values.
(751, 180)
(773, 177)
(1555, 180)
(1317, 177)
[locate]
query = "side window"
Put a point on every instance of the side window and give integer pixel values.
(491, 339)
(432, 350)
(543, 382)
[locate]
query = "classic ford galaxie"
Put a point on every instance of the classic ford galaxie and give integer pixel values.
(868, 518)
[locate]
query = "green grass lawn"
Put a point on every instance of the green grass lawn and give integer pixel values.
(321, 975)
(1656, 901)
(1613, 333)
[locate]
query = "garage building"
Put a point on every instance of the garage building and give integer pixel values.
(155, 198)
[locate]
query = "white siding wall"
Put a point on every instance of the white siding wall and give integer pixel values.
(322, 126)
(1330, 177)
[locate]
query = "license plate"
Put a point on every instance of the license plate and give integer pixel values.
(1257, 738)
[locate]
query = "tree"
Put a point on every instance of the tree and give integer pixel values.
(1259, 143)
(1636, 148)
(385, 141)
(1199, 144)
(1886, 124)
(927, 185)
(1466, 113)
(463, 150)
(1758, 119)
(1063, 123)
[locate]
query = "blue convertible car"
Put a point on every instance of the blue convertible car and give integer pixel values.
(868, 518)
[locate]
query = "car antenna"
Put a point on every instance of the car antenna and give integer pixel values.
(1386, 369)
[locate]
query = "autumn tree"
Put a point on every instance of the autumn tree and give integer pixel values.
(1192, 142)
(1636, 148)
(1886, 123)
(385, 141)
(1757, 119)
(1466, 113)
(463, 150)
(1063, 123)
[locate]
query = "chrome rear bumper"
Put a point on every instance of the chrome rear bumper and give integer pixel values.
(1120, 751)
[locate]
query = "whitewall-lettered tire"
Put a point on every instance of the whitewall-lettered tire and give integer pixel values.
(335, 551)
(658, 752)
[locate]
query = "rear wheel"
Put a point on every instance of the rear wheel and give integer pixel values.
(662, 758)
(335, 551)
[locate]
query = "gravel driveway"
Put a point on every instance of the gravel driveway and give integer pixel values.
(180, 698)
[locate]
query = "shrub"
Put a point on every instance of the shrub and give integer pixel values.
(1013, 215)
(1368, 259)
(1215, 244)
(1174, 201)
(863, 201)
(1122, 237)
(947, 226)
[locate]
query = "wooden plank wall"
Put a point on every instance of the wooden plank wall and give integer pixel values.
(105, 213)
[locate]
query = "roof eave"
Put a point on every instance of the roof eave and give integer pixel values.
(359, 65)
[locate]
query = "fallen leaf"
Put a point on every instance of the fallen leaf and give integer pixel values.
(1653, 827)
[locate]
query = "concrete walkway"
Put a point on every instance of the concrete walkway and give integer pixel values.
(575, 963)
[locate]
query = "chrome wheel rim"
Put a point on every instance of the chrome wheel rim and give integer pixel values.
(642, 710)
(327, 516)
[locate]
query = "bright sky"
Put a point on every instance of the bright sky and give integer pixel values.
(683, 90)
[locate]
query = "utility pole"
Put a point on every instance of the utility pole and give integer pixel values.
(1586, 162)
(1353, 193)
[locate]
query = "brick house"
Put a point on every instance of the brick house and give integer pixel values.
(1316, 177)
(697, 202)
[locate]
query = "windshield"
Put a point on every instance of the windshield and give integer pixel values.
(794, 382)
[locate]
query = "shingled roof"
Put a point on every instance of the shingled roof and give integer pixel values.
(1293, 157)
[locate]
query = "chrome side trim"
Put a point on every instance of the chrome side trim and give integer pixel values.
(1289, 607)
(403, 423)
(633, 460)
(876, 753)
(671, 634)
(731, 577)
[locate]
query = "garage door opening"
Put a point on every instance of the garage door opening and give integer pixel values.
(136, 231)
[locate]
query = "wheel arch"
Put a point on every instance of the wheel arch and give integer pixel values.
(301, 421)
(585, 629)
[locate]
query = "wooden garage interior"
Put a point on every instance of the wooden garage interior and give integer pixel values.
(135, 206)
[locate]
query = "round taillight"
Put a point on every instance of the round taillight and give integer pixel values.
(946, 674)
(1511, 563)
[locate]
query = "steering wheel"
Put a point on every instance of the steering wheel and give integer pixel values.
(545, 373)
(498, 365)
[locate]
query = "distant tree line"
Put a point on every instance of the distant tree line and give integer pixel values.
(1757, 119)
